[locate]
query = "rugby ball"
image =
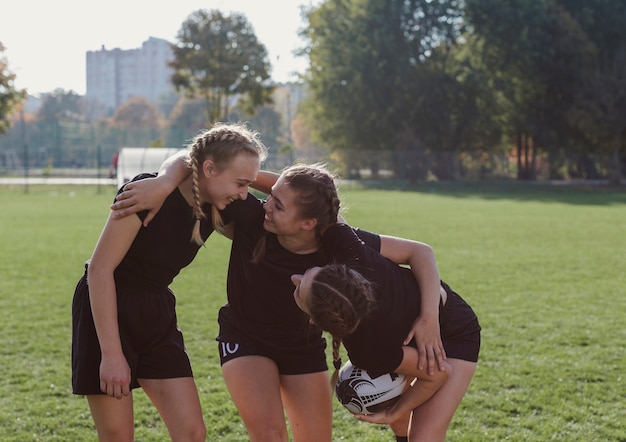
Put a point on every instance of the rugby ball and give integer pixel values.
(362, 394)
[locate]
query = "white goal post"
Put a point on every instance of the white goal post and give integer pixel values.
(135, 160)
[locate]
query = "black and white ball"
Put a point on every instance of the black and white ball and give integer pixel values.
(361, 394)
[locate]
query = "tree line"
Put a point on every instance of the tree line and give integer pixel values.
(542, 78)
(420, 83)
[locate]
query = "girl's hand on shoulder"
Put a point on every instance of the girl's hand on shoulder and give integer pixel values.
(147, 194)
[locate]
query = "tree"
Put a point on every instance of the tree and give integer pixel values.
(458, 110)
(218, 57)
(10, 97)
(187, 113)
(366, 58)
(60, 106)
(600, 111)
(138, 122)
(536, 52)
(267, 121)
(138, 112)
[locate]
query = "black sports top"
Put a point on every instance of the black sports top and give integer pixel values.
(164, 247)
(260, 296)
(376, 344)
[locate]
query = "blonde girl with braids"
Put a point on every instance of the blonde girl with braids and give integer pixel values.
(210, 156)
(370, 303)
(124, 328)
(273, 359)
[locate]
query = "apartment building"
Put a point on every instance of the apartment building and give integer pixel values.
(116, 75)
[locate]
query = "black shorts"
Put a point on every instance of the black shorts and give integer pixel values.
(288, 363)
(460, 330)
(151, 340)
(307, 356)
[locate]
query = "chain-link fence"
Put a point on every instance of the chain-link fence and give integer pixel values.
(81, 150)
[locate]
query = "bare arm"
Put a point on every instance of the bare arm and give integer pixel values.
(264, 181)
(150, 194)
(114, 242)
(421, 258)
(422, 389)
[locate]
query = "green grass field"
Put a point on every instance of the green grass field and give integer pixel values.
(543, 266)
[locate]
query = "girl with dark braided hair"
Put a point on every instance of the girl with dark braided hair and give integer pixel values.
(370, 303)
(124, 328)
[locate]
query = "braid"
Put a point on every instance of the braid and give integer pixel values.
(340, 316)
(318, 196)
(197, 208)
(221, 143)
(340, 298)
(336, 361)
(330, 191)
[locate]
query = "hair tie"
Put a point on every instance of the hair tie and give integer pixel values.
(337, 364)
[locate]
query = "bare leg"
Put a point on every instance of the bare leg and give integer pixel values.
(254, 386)
(308, 401)
(179, 405)
(113, 417)
(430, 421)
(401, 426)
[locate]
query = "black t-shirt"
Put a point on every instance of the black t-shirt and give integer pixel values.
(164, 247)
(260, 296)
(376, 344)
(261, 307)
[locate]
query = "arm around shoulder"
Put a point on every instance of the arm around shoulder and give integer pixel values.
(150, 194)
(264, 181)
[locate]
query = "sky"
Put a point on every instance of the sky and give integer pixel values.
(46, 41)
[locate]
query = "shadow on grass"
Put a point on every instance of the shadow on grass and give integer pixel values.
(592, 193)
